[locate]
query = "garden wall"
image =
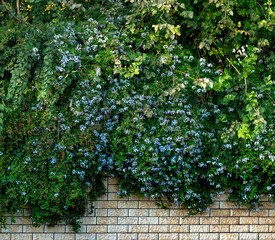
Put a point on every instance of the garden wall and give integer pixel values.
(140, 218)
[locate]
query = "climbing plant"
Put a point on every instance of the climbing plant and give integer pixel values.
(175, 98)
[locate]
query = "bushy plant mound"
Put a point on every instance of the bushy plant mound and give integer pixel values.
(122, 90)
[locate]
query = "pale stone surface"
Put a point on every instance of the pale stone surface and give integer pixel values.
(86, 236)
(159, 228)
(209, 220)
(208, 236)
(219, 228)
(148, 236)
(21, 236)
(55, 229)
(106, 236)
(148, 220)
(266, 220)
(168, 220)
(229, 236)
(138, 228)
(266, 236)
(248, 236)
(239, 228)
(32, 229)
(189, 236)
(43, 236)
(170, 236)
(258, 228)
(96, 228)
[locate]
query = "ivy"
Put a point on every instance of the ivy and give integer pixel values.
(155, 93)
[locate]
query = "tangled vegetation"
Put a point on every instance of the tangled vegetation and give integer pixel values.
(176, 98)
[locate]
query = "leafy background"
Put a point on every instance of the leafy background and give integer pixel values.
(176, 98)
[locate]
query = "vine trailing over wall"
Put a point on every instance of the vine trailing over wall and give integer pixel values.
(153, 93)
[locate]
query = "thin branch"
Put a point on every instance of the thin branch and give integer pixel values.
(233, 66)
(18, 7)
(10, 10)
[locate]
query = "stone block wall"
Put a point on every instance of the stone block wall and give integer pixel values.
(140, 218)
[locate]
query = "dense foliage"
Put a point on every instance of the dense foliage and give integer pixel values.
(176, 98)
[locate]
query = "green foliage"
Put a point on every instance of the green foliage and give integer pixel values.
(176, 98)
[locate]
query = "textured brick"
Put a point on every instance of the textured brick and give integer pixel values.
(269, 205)
(168, 236)
(203, 214)
(60, 236)
(138, 198)
(101, 212)
(127, 236)
(88, 220)
(272, 228)
(258, 228)
(248, 236)
(227, 204)
(208, 236)
(190, 220)
(189, 236)
(22, 220)
(229, 220)
(219, 212)
(43, 236)
(209, 220)
(118, 228)
(31, 228)
(199, 228)
(148, 220)
(106, 236)
(83, 229)
(127, 220)
(266, 236)
(148, 236)
(159, 212)
(264, 198)
(112, 188)
(114, 180)
(222, 197)
(5, 236)
(138, 212)
(117, 212)
(215, 204)
(168, 220)
(260, 213)
(266, 220)
(239, 228)
(179, 228)
(14, 228)
(159, 228)
(86, 236)
(21, 236)
(102, 197)
(138, 228)
(178, 212)
(229, 236)
(219, 228)
(148, 204)
(271, 213)
(96, 228)
(239, 212)
(248, 220)
(114, 196)
(106, 220)
(128, 204)
(55, 229)
(106, 204)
